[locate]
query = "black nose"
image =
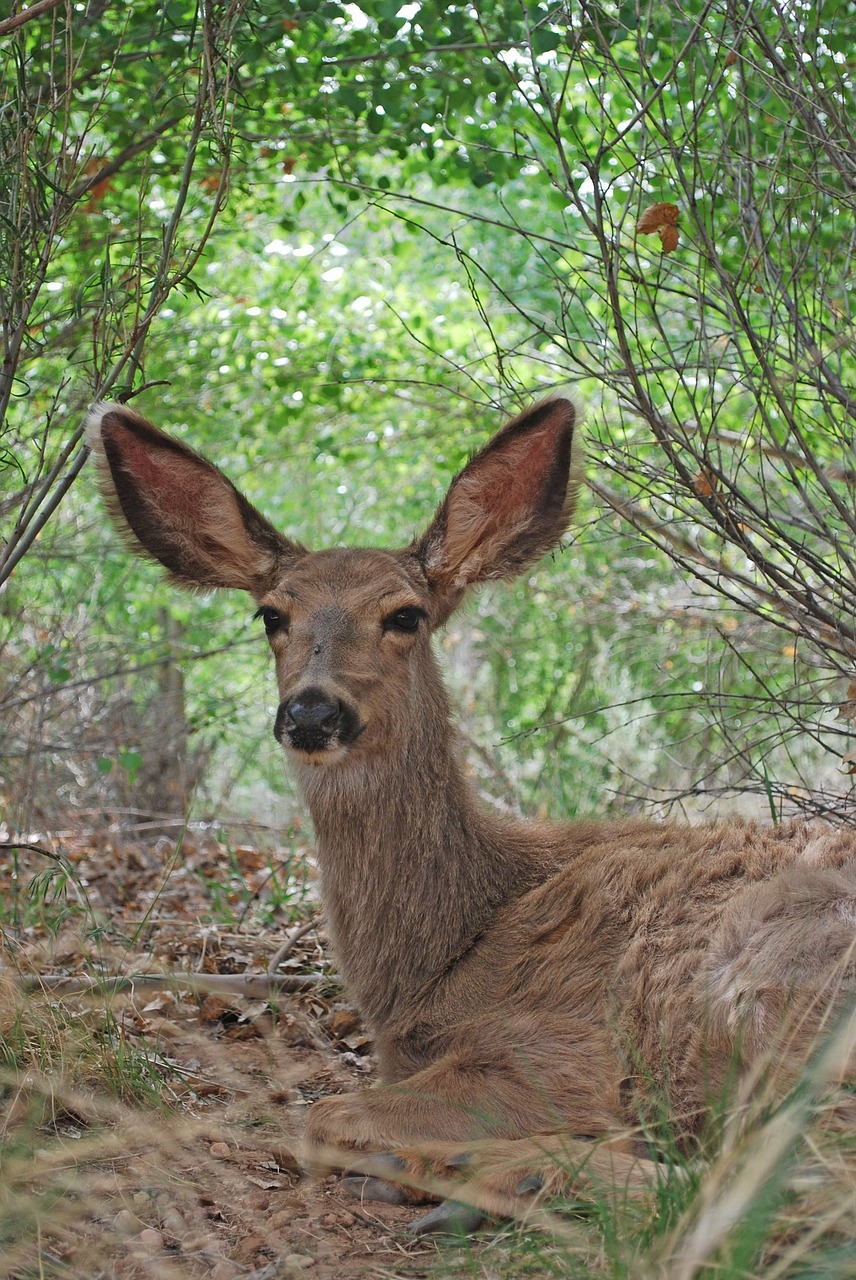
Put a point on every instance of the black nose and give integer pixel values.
(310, 721)
(307, 713)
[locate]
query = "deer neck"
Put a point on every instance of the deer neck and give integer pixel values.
(412, 866)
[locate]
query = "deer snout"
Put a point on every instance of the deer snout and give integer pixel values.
(314, 720)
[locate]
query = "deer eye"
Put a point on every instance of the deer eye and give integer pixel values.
(406, 619)
(270, 617)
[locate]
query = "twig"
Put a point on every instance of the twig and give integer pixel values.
(251, 986)
(35, 11)
(291, 938)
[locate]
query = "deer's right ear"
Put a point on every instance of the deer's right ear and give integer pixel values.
(180, 509)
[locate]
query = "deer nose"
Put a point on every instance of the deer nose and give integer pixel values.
(314, 714)
(314, 720)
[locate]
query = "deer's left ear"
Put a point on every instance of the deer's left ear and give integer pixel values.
(510, 504)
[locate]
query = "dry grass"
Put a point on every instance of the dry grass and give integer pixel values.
(156, 1133)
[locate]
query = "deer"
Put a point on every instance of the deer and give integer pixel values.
(527, 984)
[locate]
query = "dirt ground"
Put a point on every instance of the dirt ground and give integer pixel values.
(155, 1131)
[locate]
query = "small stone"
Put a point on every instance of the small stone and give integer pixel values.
(298, 1261)
(199, 1244)
(220, 1151)
(282, 1218)
(173, 1222)
(151, 1239)
(247, 1248)
(127, 1223)
(346, 1219)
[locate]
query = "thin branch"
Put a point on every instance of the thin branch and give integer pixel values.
(250, 986)
(37, 10)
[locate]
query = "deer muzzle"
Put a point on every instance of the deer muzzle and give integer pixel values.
(314, 721)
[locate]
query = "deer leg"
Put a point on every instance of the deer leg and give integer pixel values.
(409, 1134)
(474, 1092)
(501, 1178)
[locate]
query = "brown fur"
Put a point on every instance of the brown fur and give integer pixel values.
(521, 979)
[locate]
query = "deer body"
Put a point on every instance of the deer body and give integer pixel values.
(521, 979)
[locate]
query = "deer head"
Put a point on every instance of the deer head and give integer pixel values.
(349, 628)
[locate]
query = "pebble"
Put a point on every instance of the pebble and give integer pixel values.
(127, 1223)
(220, 1150)
(247, 1248)
(151, 1239)
(173, 1222)
(199, 1244)
(298, 1261)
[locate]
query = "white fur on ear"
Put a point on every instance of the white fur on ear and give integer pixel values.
(93, 420)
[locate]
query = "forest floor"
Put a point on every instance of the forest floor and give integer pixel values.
(154, 1131)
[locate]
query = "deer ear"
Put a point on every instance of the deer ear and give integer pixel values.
(179, 509)
(510, 504)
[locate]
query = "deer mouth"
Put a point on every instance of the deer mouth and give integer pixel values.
(314, 724)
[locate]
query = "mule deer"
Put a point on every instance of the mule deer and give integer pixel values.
(526, 983)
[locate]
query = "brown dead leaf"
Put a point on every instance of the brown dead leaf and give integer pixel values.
(657, 216)
(731, 57)
(661, 218)
(344, 1022)
(849, 762)
(215, 1008)
(704, 483)
(847, 709)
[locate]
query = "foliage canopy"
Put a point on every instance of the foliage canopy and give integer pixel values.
(333, 239)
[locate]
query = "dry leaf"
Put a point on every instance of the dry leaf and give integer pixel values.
(730, 58)
(849, 762)
(704, 483)
(661, 218)
(847, 710)
(657, 216)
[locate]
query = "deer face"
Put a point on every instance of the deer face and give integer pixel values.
(349, 630)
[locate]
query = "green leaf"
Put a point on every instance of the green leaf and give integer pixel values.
(545, 41)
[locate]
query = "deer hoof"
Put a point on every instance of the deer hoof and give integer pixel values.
(460, 1162)
(449, 1219)
(365, 1188)
(529, 1186)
